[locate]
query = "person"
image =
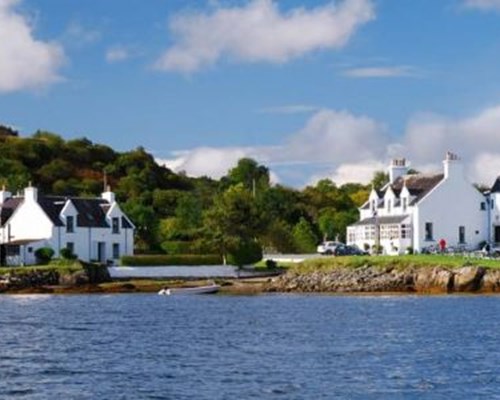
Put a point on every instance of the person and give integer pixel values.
(486, 249)
(442, 245)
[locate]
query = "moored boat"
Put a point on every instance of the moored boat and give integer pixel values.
(208, 289)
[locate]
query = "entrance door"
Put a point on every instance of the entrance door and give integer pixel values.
(101, 252)
(497, 234)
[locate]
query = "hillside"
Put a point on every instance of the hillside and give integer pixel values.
(174, 213)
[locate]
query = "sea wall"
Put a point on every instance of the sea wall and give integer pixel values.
(389, 279)
(32, 278)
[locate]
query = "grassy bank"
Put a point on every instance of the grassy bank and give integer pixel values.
(400, 262)
(61, 266)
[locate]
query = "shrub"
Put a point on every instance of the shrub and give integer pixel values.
(166, 260)
(44, 255)
(67, 254)
(271, 264)
(248, 252)
(409, 250)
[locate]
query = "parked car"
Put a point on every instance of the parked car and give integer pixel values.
(330, 248)
(353, 251)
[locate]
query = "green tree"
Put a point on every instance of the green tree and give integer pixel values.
(379, 180)
(304, 237)
(251, 175)
(232, 220)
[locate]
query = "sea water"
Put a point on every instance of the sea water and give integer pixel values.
(249, 347)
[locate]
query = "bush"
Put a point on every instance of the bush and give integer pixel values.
(44, 255)
(166, 260)
(271, 264)
(67, 254)
(409, 250)
(246, 253)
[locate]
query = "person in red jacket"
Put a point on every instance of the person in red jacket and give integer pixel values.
(442, 245)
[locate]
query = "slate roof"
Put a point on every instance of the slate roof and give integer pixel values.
(91, 212)
(52, 206)
(8, 208)
(419, 185)
(496, 186)
(396, 219)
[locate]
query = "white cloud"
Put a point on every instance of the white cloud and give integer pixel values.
(350, 148)
(25, 62)
(207, 161)
(117, 54)
(260, 32)
(474, 138)
(361, 172)
(382, 72)
(483, 4)
(329, 139)
(337, 136)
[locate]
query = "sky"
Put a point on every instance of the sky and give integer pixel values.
(312, 89)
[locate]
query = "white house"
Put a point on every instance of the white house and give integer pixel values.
(95, 229)
(418, 211)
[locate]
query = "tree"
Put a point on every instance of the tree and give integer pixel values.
(304, 237)
(379, 180)
(232, 221)
(253, 176)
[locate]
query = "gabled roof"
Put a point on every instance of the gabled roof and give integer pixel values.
(496, 186)
(90, 212)
(52, 207)
(419, 185)
(8, 208)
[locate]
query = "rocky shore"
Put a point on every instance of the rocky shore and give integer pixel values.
(376, 279)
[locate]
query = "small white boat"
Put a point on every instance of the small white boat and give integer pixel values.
(190, 290)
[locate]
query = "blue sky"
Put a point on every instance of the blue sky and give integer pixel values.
(312, 89)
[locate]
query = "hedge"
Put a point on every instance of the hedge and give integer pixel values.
(167, 259)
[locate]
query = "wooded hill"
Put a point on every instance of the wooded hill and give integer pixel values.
(174, 213)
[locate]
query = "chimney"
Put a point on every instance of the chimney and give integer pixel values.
(30, 193)
(397, 168)
(4, 195)
(452, 165)
(108, 195)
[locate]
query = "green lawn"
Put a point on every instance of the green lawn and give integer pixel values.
(420, 260)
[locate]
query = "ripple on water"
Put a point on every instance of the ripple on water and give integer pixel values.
(258, 347)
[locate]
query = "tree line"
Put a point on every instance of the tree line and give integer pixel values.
(239, 214)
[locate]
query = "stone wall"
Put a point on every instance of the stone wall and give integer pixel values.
(376, 279)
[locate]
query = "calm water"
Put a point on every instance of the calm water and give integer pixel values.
(262, 347)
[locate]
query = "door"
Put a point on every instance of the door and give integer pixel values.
(101, 252)
(497, 234)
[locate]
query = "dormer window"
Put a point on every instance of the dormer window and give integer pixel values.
(115, 225)
(70, 224)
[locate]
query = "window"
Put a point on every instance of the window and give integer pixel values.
(405, 204)
(70, 224)
(483, 206)
(428, 231)
(115, 225)
(461, 234)
(116, 250)
(389, 203)
(71, 247)
(492, 204)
